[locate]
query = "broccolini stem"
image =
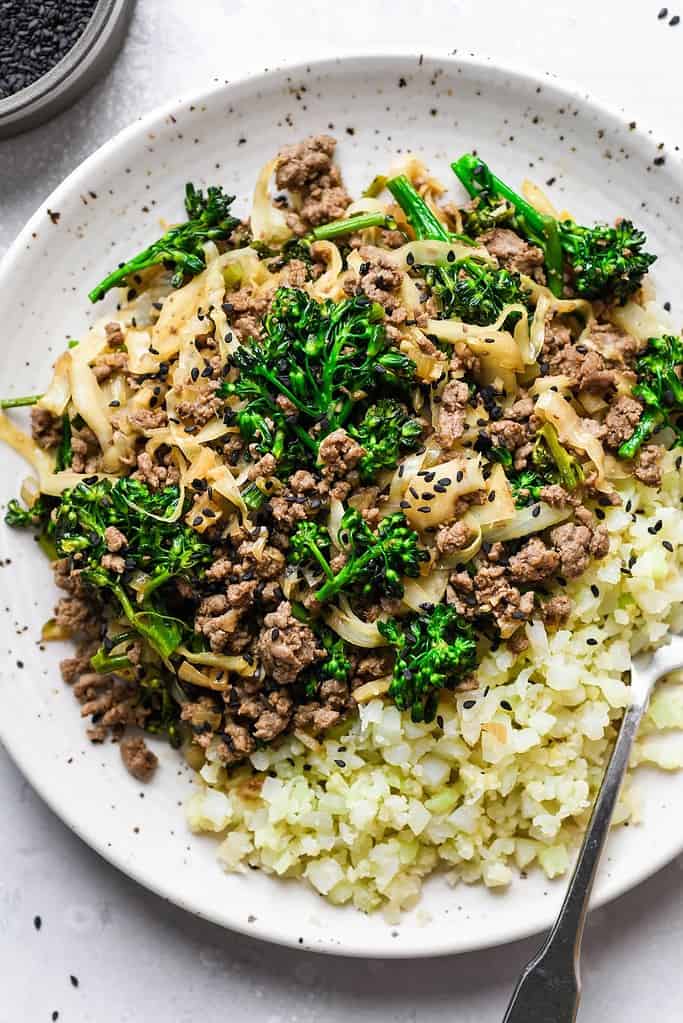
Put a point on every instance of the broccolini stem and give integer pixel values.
(376, 186)
(423, 221)
(476, 177)
(358, 222)
(29, 399)
(253, 497)
(649, 422)
(105, 663)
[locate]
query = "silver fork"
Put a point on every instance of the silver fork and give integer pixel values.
(549, 989)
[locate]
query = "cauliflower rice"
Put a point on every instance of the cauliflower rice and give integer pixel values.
(504, 778)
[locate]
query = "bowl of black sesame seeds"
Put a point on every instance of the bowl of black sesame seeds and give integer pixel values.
(51, 51)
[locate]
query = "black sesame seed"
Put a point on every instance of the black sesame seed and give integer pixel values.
(536, 510)
(591, 641)
(468, 704)
(439, 720)
(459, 477)
(404, 504)
(663, 13)
(340, 763)
(37, 922)
(668, 545)
(599, 513)
(595, 591)
(74, 980)
(492, 496)
(675, 21)
(424, 510)
(506, 705)
(410, 259)
(194, 373)
(197, 520)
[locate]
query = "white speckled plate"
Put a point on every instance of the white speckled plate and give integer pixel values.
(593, 161)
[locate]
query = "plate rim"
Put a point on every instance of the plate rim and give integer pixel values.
(565, 89)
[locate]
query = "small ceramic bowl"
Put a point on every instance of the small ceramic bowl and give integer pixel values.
(76, 71)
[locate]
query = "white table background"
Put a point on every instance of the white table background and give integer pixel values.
(134, 957)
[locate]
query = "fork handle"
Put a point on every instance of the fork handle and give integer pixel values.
(549, 989)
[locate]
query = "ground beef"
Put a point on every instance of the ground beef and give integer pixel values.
(509, 434)
(115, 539)
(237, 743)
(308, 170)
(514, 252)
(285, 646)
(302, 499)
(156, 475)
(46, 429)
(148, 419)
(77, 616)
(621, 420)
(616, 345)
(110, 701)
(451, 420)
(113, 563)
(201, 409)
(138, 758)
(556, 610)
(245, 309)
(219, 617)
(534, 562)
(114, 334)
(557, 336)
(648, 468)
(495, 594)
(86, 450)
(265, 467)
(112, 362)
(453, 537)
(490, 592)
(576, 544)
(379, 277)
(366, 500)
(557, 497)
(339, 454)
(585, 368)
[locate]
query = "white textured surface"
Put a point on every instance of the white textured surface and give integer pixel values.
(137, 959)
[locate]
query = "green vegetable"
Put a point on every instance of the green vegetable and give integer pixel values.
(433, 650)
(552, 464)
(29, 399)
(659, 388)
(604, 262)
(35, 517)
(375, 561)
(386, 432)
(336, 665)
(320, 357)
(349, 225)
(64, 450)
(180, 249)
(464, 288)
(156, 546)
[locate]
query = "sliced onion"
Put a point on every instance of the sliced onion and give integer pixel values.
(538, 199)
(642, 322)
(528, 520)
(236, 664)
(429, 589)
(353, 629)
(329, 284)
(268, 223)
(56, 398)
(571, 431)
(334, 520)
(499, 506)
(432, 253)
(372, 689)
(207, 680)
(464, 476)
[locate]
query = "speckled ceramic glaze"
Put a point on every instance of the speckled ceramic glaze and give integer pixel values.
(596, 163)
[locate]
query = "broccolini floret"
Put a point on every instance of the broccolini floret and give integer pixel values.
(551, 463)
(320, 357)
(375, 561)
(434, 650)
(157, 550)
(468, 289)
(660, 388)
(181, 248)
(386, 432)
(604, 262)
